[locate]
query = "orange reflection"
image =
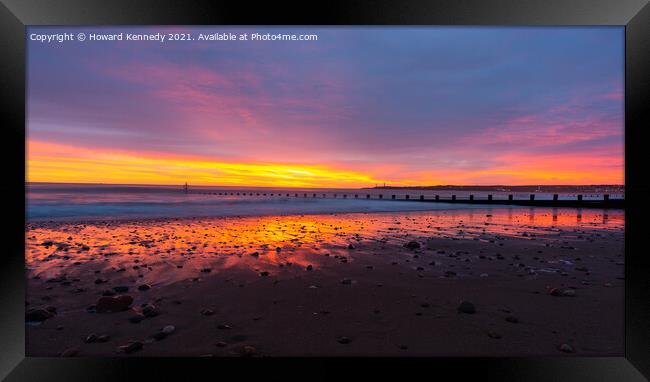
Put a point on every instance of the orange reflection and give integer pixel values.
(160, 252)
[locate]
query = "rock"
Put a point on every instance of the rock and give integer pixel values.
(343, 340)
(309, 267)
(264, 273)
(70, 352)
(121, 289)
(257, 254)
(350, 246)
(150, 310)
(562, 292)
(483, 275)
(108, 292)
(101, 281)
(90, 338)
(206, 270)
(131, 347)
(412, 245)
(159, 336)
(37, 315)
(346, 281)
(144, 287)
(136, 318)
(224, 327)
(221, 344)
(103, 338)
(107, 304)
(169, 329)
(207, 312)
(512, 319)
(493, 334)
(248, 351)
(466, 307)
(566, 348)
(450, 274)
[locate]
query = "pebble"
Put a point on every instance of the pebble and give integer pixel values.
(207, 312)
(265, 273)
(169, 329)
(106, 304)
(150, 310)
(121, 289)
(70, 352)
(137, 318)
(412, 245)
(103, 338)
(344, 340)
(309, 267)
(346, 281)
(144, 287)
(466, 307)
(224, 327)
(131, 347)
(37, 315)
(512, 319)
(248, 351)
(90, 338)
(566, 348)
(493, 334)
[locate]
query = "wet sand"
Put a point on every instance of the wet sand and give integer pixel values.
(539, 282)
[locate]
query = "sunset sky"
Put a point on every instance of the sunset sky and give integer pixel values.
(360, 106)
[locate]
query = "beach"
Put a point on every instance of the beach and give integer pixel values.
(502, 281)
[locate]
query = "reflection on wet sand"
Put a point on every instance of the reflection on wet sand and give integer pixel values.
(493, 256)
(179, 248)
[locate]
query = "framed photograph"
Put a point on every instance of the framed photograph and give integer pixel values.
(380, 185)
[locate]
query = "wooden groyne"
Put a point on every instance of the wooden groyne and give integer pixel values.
(484, 199)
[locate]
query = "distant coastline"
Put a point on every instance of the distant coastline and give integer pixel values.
(504, 188)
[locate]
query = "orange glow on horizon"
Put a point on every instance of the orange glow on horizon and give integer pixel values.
(57, 163)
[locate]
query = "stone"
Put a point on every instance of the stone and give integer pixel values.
(493, 334)
(309, 267)
(144, 287)
(103, 338)
(90, 338)
(37, 315)
(412, 245)
(512, 319)
(131, 347)
(466, 307)
(169, 329)
(346, 281)
(71, 352)
(248, 351)
(121, 289)
(343, 340)
(350, 246)
(136, 318)
(207, 312)
(224, 327)
(566, 348)
(264, 273)
(150, 310)
(107, 304)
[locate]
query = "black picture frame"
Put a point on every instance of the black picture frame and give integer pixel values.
(15, 15)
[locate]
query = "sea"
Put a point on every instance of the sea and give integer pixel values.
(56, 201)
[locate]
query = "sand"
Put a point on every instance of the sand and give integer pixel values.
(541, 282)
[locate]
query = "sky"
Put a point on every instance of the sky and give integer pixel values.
(356, 108)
